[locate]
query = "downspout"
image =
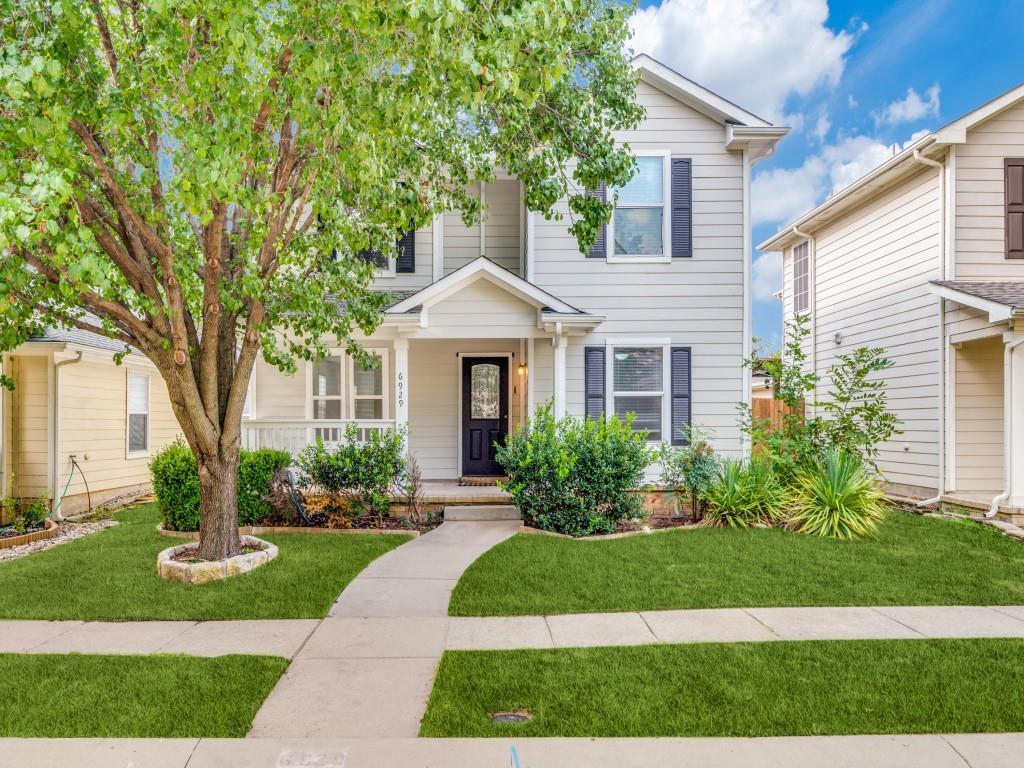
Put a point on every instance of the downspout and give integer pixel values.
(919, 158)
(812, 287)
(1008, 348)
(55, 471)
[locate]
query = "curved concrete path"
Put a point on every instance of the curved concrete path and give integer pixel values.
(367, 670)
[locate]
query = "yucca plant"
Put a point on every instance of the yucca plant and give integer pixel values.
(745, 494)
(837, 496)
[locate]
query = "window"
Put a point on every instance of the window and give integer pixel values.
(326, 388)
(138, 413)
(801, 278)
(640, 221)
(368, 388)
(638, 386)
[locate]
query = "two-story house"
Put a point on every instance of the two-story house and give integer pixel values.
(496, 318)
(924, 256)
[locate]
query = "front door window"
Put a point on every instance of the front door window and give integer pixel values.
(485, 391)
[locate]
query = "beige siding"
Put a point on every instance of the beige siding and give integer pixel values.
(277, 395)
(94, 425)
(486, 308)
(29, 416)
(424, 273)
(695, 301)
(872, 270)
(980, 225)
(503, 224)
(979, 416)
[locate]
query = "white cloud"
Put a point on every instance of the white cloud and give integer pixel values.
(782, 194)
(822, 126)
(756, 53)
(767, 276)
(912, 107)
(851, 102)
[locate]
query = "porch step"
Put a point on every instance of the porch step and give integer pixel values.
(482, 512)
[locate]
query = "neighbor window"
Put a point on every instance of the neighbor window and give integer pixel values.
(638, 224)
(326, 387)
(801, 278)
(138, 413)
(368, 389)
(638, 387)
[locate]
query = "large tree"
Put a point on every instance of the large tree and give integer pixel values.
(196, 178)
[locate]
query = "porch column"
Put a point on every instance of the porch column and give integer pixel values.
(402, 385)
(559, 342)
(1014, 402)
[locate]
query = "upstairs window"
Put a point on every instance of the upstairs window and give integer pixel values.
(640, 220)
(801, 278)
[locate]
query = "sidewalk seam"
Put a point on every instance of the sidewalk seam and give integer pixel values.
(955, 750)
(649, 627)
(916, 631)
(746, 611)
(997, 609)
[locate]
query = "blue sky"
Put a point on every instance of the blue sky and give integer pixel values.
(853, 78)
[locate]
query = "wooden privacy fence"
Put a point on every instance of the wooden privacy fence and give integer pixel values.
(769, 409)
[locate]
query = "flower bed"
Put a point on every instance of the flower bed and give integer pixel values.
(9, 536)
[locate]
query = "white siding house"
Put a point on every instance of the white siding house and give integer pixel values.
(924, 257)
(492, 320)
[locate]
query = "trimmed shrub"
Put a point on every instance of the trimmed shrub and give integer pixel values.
(175, 474)
(572, 476)
(746, 493)
(838, 497)
(364, 472)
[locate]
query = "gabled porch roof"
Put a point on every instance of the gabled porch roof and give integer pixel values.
(1001, 300)
(553, 314)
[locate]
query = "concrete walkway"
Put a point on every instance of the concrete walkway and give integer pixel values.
(368, 668)
(952, 751)
(731, 625)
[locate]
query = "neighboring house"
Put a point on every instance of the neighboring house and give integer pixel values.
(924, 256)
(761, 385)
(495, 319)
(71, 400)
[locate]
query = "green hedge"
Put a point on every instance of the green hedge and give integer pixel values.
(176, 485)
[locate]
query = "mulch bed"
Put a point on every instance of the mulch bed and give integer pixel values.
(655, 522)
(396, 523)
(189, 555)
(9, 531)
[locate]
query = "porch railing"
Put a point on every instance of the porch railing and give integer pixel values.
(293, 435)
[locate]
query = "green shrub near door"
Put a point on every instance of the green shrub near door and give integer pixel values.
(175, 475)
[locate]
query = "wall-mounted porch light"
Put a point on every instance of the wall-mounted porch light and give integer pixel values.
(522, 369)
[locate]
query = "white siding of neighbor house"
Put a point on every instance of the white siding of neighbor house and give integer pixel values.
(979, 416)
(94, 426)
(980, 195)
(696, 302)
(872, 268)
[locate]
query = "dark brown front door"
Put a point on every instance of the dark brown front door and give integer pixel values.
(484, 413)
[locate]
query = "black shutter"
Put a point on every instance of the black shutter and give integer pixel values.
(600, 247)
(1014, 208)
(680, 395)
(593, 381)
(406, 261)
(682, 207)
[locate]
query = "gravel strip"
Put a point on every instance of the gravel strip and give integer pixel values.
(67, 532)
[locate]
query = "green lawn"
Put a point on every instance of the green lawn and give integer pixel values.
(914, 560)
(133, 696)
(739, 689)
(112, 576)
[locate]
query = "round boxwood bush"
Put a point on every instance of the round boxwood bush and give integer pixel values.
(176, 485)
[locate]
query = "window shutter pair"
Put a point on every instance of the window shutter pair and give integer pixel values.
(681, 211)
(405, 262)
(1014, 211)
(594, 372)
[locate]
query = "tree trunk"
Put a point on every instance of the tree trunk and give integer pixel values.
(218, 506)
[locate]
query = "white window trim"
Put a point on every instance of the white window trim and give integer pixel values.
(807, 294)
(128, 453)
(666, 218)
(666, 378)
(341, 396)
(350, 404)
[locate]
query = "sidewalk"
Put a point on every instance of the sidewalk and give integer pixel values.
(954, 751)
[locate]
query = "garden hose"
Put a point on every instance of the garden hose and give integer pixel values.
(74, 465)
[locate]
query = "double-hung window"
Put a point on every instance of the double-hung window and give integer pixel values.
(801, 278)
(639, 228)
(638, 386)
(138, 414)
(367, 390)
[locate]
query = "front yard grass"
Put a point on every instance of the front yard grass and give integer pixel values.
(914, 560)
(111, 576)
(58, 696)
(739, 689)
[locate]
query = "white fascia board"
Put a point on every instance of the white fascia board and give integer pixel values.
(690, 93)
(758, 141)
(956, 132)
(996, 312)
(480, 268)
